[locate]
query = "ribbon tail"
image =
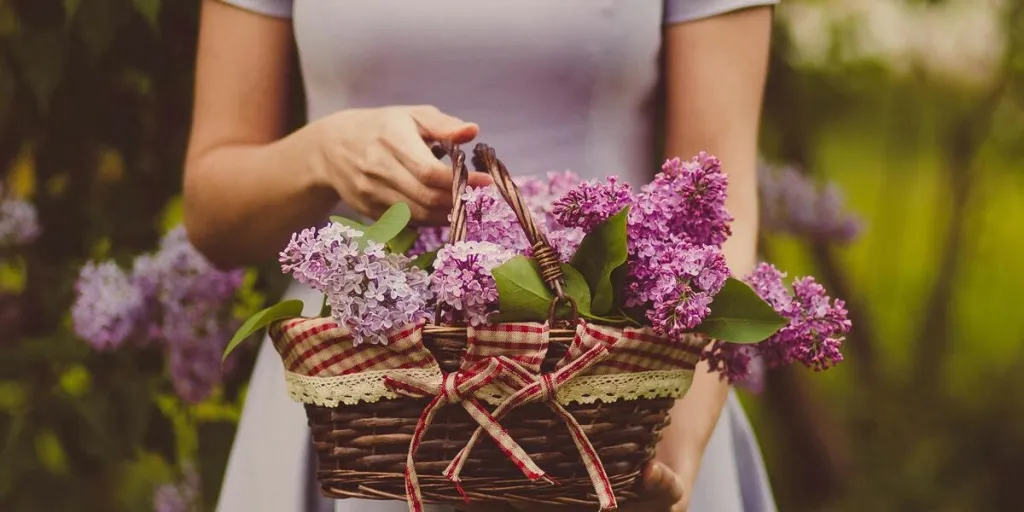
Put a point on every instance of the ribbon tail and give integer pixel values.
(412, 483)
(506, 444)
(598, 476)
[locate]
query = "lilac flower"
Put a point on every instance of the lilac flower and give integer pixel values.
(188, 293)
(686, 279)
(180, 497)
(541, 193)
(813, 336)
(108, 307)
(431, 238)
(369, 291)
(792, 203)
(19, 224)
(490, 219)
(591, 203)
(195, 365)
(686, 199)
(565, 241)
(462, 279)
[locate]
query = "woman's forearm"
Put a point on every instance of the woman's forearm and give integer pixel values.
(243, 201)
(715, 74)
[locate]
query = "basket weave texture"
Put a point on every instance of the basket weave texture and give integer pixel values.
(560, 413)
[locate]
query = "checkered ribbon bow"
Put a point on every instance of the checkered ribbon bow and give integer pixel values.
(459, 388)
(543, 388)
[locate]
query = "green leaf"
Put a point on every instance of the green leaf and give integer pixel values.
(281, 310)
(402, 242)
(602, 251)
(739, 315)
(524, 297)
(150, 11)
(325, 308)
(425, 260)
(390, 224)
(388, 227)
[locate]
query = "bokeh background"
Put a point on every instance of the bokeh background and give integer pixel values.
(911, 109)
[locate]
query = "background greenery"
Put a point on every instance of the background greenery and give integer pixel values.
(928, 144)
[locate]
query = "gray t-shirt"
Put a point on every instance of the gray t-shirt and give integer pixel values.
(554, 85)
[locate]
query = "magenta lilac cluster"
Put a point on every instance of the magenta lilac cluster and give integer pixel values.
(813, 336)
(174, 297)
(462, 280)
(369, 290)
(675, 229)
(793, 203)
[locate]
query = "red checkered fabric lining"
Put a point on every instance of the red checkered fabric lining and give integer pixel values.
(632, 350)
(319, 347)
(524, 343)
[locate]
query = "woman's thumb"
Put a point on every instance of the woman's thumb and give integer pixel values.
(436, 125)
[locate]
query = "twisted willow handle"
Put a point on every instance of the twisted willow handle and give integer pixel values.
(485, 160)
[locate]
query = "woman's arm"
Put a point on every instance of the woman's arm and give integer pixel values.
(246, 189)
(715, 72)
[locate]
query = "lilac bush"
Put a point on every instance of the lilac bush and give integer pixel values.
(173, 297)
(792, 203)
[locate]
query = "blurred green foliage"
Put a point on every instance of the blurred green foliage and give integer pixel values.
(925, 415)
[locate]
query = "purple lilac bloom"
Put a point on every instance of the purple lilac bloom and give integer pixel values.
(565, 241)
(181, 497)
(792, 203)
(813, 336)
(687, 199)
(462, 279)
(189, 292)
(431, 238)
(109, 306)
(190, 302)
(686, 279)
(541, 193)
(490, 219)
(591, 203)
(369, 291)
(19, 224)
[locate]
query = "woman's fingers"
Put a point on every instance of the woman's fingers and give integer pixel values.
(664, 488)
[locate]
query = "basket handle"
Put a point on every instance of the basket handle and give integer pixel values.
(485, 160)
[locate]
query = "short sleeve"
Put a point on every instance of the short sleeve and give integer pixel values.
(678, 11)
(275, 8)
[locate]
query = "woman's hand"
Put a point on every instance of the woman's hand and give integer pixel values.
(664, 491)
(374, 158)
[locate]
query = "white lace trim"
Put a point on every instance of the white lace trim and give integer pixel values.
(368, 387)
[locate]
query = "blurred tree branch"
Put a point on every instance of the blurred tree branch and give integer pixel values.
(962, 144)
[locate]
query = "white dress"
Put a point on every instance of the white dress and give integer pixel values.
(554, 85)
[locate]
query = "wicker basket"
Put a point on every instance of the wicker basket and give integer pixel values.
(362, 448)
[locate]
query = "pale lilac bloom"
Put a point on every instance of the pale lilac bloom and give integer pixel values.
(490, 219)
(19, 223)
(109, 306)
(369, 291)
(565, 241)
(179, 497)
(462, 280)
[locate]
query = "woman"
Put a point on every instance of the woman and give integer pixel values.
(567, 84)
